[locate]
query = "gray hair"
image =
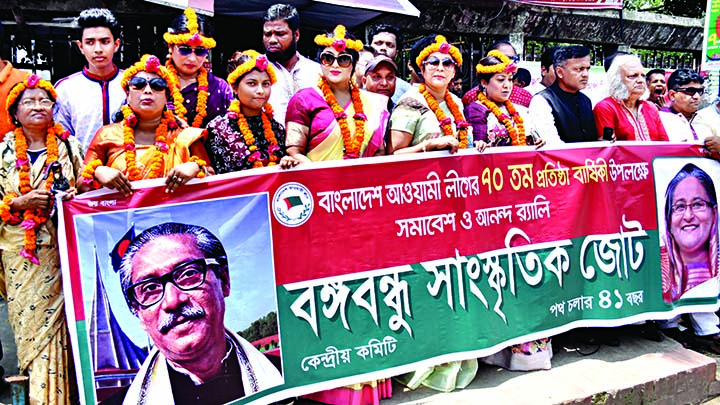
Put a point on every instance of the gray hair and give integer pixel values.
(616, 88)
(205, 241)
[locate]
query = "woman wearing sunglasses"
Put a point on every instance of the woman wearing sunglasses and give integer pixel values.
(336, 120)
(496, 121)
(148, 143)
(429, 117)
(248, 136)
(28, 245)
(203, 96)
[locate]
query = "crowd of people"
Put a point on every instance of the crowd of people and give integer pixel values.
(105, 127)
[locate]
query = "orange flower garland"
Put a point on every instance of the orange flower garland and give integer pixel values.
(351, 144)
(249, 138)
(202, 98)
(201, 164)
(88, 173)
(517, 135)
(445, 122)
(157, 162)
(31, 218)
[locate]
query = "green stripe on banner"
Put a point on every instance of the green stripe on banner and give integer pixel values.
(85, 360)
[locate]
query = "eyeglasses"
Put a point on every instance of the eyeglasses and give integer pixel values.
(696, 206)
(435, 62)
(185, 50)
(44, 103)
(156, 83)
(185, 276)
(691, 91)
(514, 58)
(344, 60)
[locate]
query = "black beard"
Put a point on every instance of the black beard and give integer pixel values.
(282, 56)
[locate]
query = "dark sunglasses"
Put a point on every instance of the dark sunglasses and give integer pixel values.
(435, 62)
(691, 91)
(186, 50)
(156, 83)
(344, 60)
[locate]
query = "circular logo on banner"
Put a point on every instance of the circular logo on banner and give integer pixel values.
(293, 204)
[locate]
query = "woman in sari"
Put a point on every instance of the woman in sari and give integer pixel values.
(148, 143)
(496, 122)
(420, 123)
(247, 136)
(428, 117)
(689, 252)
(28, 245)
(202, 96)
(336, 120)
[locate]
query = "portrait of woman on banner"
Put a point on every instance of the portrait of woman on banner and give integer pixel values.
(689, 242)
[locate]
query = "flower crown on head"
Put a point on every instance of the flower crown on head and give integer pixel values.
(440, 45)
(31, 81)
(505, 66)
(256, 61)
(192, 38)
(338, 40)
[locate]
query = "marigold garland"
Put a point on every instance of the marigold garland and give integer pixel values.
(157, 162)
(440, 45)
(517, 135)
(201, 106)
(249, 137)
(31, 218)
(445, 122)
(505, 66)
(338, 41)
(193, 37)
(256, 61)
(31, 81)
(88, 173)
(351, 144)
(201, 164)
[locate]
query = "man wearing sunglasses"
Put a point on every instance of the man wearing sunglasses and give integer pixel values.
(175, 278)
(685, 92)
(87, 100)
(281, 31)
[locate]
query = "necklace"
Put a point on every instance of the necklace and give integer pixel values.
(517, 135)
(201, 106)
(249, 137)
(31, 218)
(157, 162)
(351, 144)
(445, 122)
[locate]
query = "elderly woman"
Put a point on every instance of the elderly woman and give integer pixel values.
(248, 136)
(336, 120)
(627, 112)
(147, 144)
(689, 252)
(429, 117)
(202, 96)
(28, 245)
(496, 121)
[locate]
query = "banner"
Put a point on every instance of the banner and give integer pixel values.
(711, 43)
(590, 4)
(380, 266)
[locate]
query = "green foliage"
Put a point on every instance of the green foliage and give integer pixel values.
(680, 8)
(263, 327)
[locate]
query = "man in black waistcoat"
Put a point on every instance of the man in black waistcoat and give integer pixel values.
(561, 113)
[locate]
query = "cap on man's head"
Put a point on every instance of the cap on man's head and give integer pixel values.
(377, 61)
